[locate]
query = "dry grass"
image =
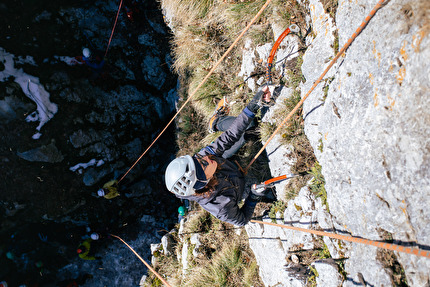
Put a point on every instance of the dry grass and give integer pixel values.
(330, 7)
(209, 93)
(203, 32)
(225, 258)
(232, 266)
(190, 126)
(201, 37)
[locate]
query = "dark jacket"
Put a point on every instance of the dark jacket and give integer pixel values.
(223, 202)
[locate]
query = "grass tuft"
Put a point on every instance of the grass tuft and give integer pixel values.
(230, 267)
(317, 184)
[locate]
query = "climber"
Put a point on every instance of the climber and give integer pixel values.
(109, 189)
(94, 60)
(84, 250)
(212, 180)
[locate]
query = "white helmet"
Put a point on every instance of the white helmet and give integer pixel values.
(101, 192)
(181, 176)
(95, 236)
(86, 52)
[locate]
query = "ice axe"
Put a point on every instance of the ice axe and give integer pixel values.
(292, 28)
(260, 187)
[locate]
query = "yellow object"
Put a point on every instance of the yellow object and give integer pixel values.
(112, 188)
(85, 246)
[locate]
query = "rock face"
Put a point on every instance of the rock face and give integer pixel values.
(369, 117)
(368, 124)
(328, 274)
(272, 245)
(89, 130)
(374, 131)
(46, 153)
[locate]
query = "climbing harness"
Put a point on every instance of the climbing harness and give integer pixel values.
(389, 246)
(293, 111)
(144, 262)
(201, 84)
(113, 29)
(292, 28)
(260, 187)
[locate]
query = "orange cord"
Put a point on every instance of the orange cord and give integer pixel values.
(113, 29)
(144, 262)
(394, 247)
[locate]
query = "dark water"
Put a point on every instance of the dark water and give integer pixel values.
(41, 200)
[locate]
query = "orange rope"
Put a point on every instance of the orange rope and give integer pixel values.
(144, 262)
(202, 82)
(113, 29)
(354, 35)
(394, 247)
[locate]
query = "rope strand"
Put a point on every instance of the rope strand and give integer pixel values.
(389, 246)
(144, 262)
(113, 29)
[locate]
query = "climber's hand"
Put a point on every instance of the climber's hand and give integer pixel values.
(267, 94)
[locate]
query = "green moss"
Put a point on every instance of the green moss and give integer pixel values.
(317, 185)
(278, 206)
(320, 146)
(312, 280)
(336, 42)
(323, 253)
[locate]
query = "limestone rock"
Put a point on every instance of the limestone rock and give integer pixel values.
(184, 258)
(328, 274)
(373, 125)
(151, 68)
(195, 240)
(167, 243)
(272, 245)
(280, 160)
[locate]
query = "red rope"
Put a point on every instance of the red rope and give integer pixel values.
(113, 29)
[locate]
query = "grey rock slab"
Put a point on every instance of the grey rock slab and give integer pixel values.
(328, 273)
(374, 131)
(46, 153)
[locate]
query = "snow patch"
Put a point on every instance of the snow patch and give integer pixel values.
(31, 87)
(92, 162)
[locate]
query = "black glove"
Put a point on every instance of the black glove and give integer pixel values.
(255, 103)
(255, 197)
